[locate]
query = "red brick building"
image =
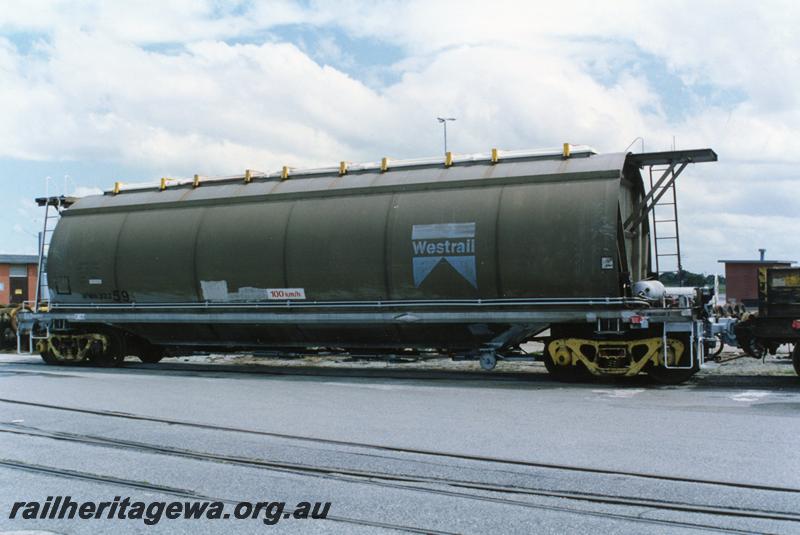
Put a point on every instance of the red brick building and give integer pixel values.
(18, 277)
(741, 279)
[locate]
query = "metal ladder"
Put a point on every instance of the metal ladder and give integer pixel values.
(665, 224)
(52, 213)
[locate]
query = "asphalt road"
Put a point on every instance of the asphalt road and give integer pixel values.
(473, 454)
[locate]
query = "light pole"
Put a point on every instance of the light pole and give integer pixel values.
(444, 120)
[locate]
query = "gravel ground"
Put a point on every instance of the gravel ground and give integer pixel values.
(732, 362)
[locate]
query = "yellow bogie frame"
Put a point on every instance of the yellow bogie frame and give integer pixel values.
(82, 343)
(572, 351)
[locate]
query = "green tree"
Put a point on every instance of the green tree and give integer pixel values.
(688, 278)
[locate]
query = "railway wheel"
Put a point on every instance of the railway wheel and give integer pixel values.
(150, 354)
(49, 358)
(667, 376)
(566, 374)
(7, 337)
(796, 358)
(114, 354)
(754, 347)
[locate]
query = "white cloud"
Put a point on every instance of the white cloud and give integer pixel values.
(83, 191)
(97, 81)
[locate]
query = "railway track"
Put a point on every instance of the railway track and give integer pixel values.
(414, 451)
(371, 477)
(535, 376)
(183, 493)
(450, 487)
(316, 371)
(399, 483)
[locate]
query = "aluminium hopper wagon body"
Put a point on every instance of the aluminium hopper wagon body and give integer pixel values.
(469, 258)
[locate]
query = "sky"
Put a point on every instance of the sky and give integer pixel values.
(95, 92)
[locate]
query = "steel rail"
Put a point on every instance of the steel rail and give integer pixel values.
(365, 476)
(96, 478)
(401, 483)
(424, 452)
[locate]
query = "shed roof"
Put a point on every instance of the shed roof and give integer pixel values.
(19, 259)
(787, 262)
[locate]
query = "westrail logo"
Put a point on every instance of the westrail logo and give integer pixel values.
(452, 243)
